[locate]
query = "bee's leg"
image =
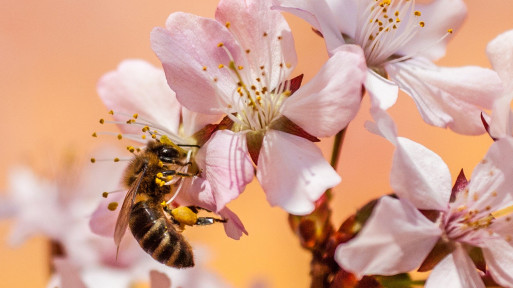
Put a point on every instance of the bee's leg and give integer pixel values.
(197, 208)
(168, 160)
(174, 172)
(209, 220)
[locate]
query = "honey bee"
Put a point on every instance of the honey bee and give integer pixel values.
(155, 225)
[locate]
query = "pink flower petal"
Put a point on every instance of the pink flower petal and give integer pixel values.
(455, 271)
(327, 103)
(319, 15)
(448, 97)
(500, 53)
(498, 255)
(293, 172)
(395, 239)
(501, 123)
(249, 21)
(192, 121)
(233, 227)
(103, 220)
(345, 15)
(384, 125)
(138, 87)
(420, 175)
(383, 93)
(159, 280)
(438, 16)
(70, 275)
(226, 165)
(190, 54)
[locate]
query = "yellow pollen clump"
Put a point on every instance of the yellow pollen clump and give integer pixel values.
(143, 136)
(449, 31)
(161, 164)
(422, 24)
(153, 136)
(204, 68)
(221, 44)
(240, 67)
(220, 66)
(417, 13)
(160, 175)
(130, 148)
(228, 24)
(112, 206)
(135, 115)
(163, 203)
(396, 13)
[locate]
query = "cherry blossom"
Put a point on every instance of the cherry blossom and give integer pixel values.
(400, 40)
(138, 91)
(398, 237)
(238, 65)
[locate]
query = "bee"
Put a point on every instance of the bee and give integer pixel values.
(155, 225)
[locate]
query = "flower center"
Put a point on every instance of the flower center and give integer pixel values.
(384, 26)
(254, 104)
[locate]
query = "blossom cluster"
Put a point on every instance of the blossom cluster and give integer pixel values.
(227, 100)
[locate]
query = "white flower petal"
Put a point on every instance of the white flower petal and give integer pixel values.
(395, 239)
(455, 271)
(420, 175)
(448, 97)
(327, 103)
(293, 172)
(383, 93)
(499, 258)
(500, 53)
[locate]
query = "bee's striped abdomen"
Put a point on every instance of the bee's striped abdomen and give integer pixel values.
(157, 236)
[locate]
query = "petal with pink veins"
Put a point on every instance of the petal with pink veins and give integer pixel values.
(456, 270)
(395, 239)
(139, 87)
(189, 51)
(448, 97)
(327, 103)
(247, 24)
(319, 15)
(439, 16)
(226, 165)
(293, 172)
(498, 255)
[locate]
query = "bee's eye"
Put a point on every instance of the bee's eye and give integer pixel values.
(168, 154)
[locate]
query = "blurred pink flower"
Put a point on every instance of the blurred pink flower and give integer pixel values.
(400, 40)
(137, 87)
(500, 53)
(397, 237)
(238, 65)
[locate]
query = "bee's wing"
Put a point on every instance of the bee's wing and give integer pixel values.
(124, 213)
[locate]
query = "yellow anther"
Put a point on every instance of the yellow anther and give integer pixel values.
(143, 136)
(93, 160)
(94, 134)
(417, 13)
(105, 194)
(153, 136)
(279, 37)
(247, 51)
(449, 31)
(396, 13)
(102, 121)
(227, 24)
(112, 206)
(240, 67)
(220, 66)
(135, 115)
(265, 34)
(111, 112)
(120, 136)
(116, 159)
(221, 44)
(397, 20)
(204, 68)
(503, 212)
(421, 23)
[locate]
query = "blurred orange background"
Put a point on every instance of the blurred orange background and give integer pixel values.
(52, 53)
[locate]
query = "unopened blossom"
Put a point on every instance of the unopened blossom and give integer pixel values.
(500, 53)
(398, 237)
(238, 65)
(146, 108)
(400, 40)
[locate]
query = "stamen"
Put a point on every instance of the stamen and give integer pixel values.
(503, 212)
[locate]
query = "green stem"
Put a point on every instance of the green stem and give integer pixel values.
(337, 147)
